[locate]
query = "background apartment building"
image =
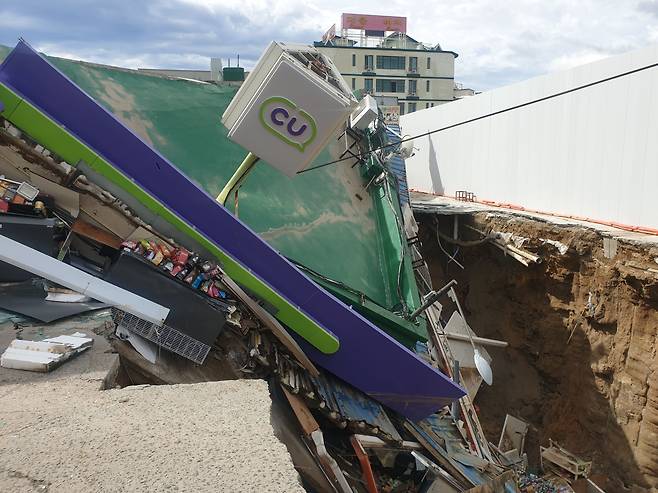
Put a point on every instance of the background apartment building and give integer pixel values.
(376, 56)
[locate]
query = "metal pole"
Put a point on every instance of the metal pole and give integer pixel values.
(455, 378)
(431, 298)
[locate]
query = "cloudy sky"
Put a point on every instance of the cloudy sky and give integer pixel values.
(498, 42)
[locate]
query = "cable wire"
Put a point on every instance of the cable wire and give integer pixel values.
(494, 113)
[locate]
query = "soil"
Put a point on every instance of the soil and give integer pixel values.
(581, 367)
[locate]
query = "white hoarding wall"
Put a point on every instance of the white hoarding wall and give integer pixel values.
(582, 142)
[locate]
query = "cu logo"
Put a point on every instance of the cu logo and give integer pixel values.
(287, 122)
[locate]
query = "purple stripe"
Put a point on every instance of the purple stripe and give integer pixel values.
(368, 358)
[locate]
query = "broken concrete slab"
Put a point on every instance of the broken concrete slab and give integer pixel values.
(200, 437)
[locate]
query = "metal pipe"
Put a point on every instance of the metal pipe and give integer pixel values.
(431, 298)
(43, 265)
(236, 180)
(366, 469)
(455, 378)
(512, 254)
(530, 256)
(480, 340)
(368, 441)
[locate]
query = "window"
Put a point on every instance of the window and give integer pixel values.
(367, 85)
(412, 87)
(391, 62)
(368, 65)
(388, 85)
(413, 64)
(427, 105)
(427, 86)
(353, 83)
(432, 105)
(402, 108)
(412, 107)
(353, 60)
(428, 63)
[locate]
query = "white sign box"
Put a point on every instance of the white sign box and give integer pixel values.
(290, 117)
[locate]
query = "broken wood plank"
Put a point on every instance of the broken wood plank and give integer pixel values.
(100, 235)
(302, 412)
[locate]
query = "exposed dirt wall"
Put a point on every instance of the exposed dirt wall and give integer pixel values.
(581, 367)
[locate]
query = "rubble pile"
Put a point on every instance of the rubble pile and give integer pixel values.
(191, 302)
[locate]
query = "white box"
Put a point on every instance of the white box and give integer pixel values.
(286, 112)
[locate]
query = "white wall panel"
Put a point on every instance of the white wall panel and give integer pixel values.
(592, 152)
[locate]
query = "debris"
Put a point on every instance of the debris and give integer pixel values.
(42, 265)
(62, 295)
(561, 247)
(35, 232)
(523, 256)
(103, 237)
(512, 436)
(564, 461)
(27, 191)
(197, 282)
(31, 299)
(143, 346)
(329, 462)
(481, 363)
(44, 356)
(531, 483)
(365, 464)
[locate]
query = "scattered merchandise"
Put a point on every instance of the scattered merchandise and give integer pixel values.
(530, 483)
(185, 266)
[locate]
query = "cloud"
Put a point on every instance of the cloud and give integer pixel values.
(575, 59)
(498, 42)
(163, 33)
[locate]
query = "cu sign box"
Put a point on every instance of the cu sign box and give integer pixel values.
(288, 113)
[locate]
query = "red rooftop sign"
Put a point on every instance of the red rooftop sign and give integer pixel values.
(374, 22)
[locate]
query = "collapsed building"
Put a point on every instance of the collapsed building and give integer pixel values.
(311, 273)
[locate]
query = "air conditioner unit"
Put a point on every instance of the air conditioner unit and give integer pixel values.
(289, 107)
(365, 113)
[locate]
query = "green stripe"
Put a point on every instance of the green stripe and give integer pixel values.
(55, 138)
